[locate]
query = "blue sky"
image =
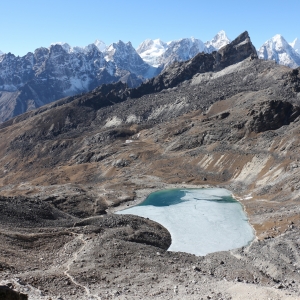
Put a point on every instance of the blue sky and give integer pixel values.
(29, 24)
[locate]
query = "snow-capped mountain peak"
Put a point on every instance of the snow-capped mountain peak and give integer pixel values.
(279, 41)
(151, 51)
(100, 45)
(220, 40)
(112, 49)
(182, 50)
(68, 48)
(296, 45)
(278, 49)
(148, 44)
(160, 54)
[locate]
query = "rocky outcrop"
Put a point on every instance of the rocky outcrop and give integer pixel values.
(8, 294)
(272, 115)
(131, 80)
(238, 50)
(294, 80)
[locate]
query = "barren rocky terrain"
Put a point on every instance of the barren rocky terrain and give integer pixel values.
(223, 120)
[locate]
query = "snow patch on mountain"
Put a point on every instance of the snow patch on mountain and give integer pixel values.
(77, 85)
(296, 45)
(278, 49)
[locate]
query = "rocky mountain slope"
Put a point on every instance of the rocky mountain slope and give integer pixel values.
(125, 57)
(223, 119)
(49, 74)
(278, 49)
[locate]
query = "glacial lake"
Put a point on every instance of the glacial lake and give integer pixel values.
(200, 221)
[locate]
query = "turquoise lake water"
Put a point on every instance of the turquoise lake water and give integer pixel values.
(200, 221)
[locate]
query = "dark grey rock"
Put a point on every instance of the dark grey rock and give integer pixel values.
(8, 294)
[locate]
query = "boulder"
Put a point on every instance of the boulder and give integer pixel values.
(8, 294)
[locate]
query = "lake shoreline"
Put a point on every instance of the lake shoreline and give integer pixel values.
(142, 194)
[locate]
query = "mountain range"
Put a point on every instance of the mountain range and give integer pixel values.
(160, 54)
(60, 70)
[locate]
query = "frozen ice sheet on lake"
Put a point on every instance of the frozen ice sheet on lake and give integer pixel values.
(205, 221)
